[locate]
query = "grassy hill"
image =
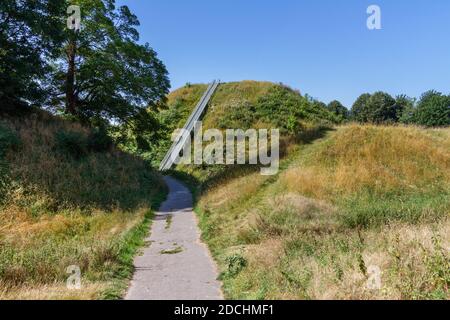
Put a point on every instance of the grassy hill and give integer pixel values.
(244, 105)
(349, 201)
(359, 200)
(247, 104)
(68, 197)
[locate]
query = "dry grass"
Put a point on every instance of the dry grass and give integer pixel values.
(60, 210)
(337, 265)
(379, 159)
(90, 291)
(45, 179)
(37, 251)
(361, 198)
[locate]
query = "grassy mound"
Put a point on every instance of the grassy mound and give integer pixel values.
(69, 197)
(245, 105)
(360, 204)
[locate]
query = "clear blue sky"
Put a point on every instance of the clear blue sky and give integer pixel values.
(321, 47)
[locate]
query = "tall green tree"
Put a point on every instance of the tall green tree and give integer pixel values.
(339, 110)
(377, 108)
(28, 37)
(360, 108)
(408, 109)
(102, 71)
(433, 110)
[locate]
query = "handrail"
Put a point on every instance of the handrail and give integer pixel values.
(181, 139)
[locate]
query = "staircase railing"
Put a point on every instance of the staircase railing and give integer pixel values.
(181, 139)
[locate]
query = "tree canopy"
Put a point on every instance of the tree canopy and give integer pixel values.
(100, 72)
(28, 39)
(103, 71)
(433, 110)
(338, 109)
(377, 108)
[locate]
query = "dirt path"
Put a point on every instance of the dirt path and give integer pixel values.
(176, 265)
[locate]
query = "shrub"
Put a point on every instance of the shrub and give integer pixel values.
(339, 110)
(99, 140)
(279, 104)
(360, 107)
(242, 115)
(8, 140)
(433, 110)
(408, 106)
(236, 263)
(13, 108)
(72, 143)
(377, 108)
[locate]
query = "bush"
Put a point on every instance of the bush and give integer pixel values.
(281, 107)
(408, 106)
(72, 143)
(241, 116)
(13, 108)
(282, 103)
(99, 140)
(433, 110)
(236, 263)
(377, 108)
(8, 140)
(339, 110)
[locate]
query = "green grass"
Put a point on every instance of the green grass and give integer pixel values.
(357, 198)
(241, 105)
(91, 209)
(133, 241)
(366, 210)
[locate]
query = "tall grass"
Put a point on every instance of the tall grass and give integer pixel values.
(245, 105)
(70, 203)
(362, 198)
(378, 174)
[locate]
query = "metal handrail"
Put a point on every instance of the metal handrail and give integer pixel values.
(181, 140)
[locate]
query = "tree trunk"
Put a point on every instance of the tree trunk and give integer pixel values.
(71, 98)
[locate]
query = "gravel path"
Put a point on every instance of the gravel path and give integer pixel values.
(176, 265)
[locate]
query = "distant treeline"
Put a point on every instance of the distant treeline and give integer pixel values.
(431, 110)
(100, 75)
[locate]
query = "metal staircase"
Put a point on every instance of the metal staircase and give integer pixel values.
(181, 140)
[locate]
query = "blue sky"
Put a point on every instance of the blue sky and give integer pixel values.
(321, 47)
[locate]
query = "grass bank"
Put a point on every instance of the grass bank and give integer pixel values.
(69, 198)
(361, 213)
(240, 105)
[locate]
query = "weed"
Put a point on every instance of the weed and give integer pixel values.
(99, 140)
(172, 251)
(235, 264)
(169, 220)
